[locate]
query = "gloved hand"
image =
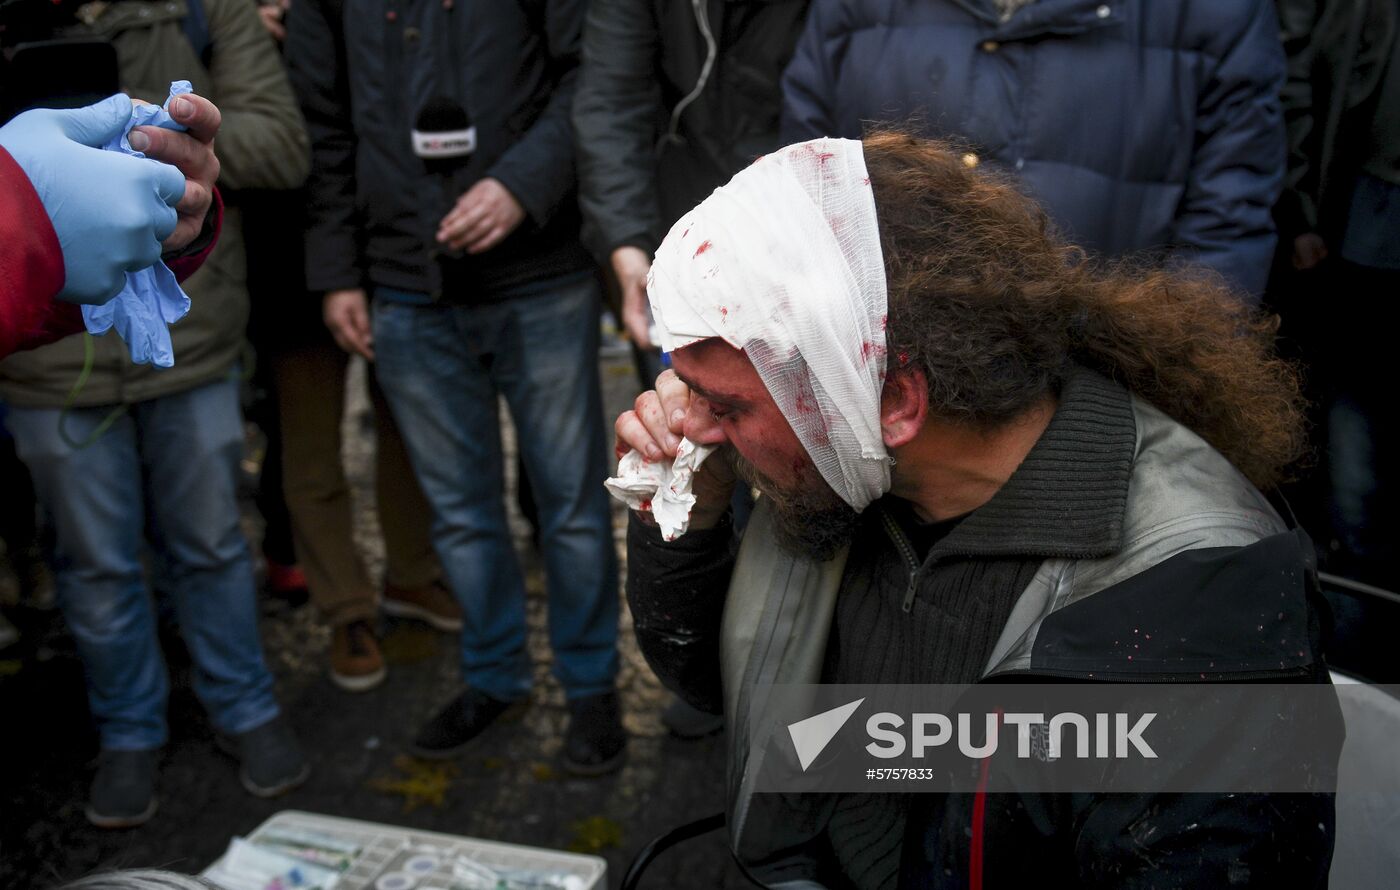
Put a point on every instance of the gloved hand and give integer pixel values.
(110, 211)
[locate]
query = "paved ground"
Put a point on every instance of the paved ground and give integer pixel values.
(509, 790)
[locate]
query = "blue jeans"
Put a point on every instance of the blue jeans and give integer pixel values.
(441, 368)
(166, 471)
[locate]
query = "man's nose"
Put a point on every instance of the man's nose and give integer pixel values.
(700, 425)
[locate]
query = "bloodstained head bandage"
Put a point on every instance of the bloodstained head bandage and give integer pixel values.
(784, 263)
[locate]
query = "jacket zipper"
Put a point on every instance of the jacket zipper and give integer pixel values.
(907, 551)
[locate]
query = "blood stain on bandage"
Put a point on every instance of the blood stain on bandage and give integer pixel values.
(869, 349)
(723, 313)
(645, 506)
(704, 246)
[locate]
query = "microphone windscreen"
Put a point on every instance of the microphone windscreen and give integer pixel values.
(440, 115)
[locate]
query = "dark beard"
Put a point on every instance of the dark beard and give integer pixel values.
(812, 522)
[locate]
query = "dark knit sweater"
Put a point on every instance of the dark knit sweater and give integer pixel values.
(899, 618)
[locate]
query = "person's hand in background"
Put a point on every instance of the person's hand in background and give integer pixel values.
(1308, 250)
(192, 153)
(485, 214)
(110, 211)
(346, 313)
(631, 265)
(272, 12)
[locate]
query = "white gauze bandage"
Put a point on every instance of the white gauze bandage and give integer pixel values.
(784, 263)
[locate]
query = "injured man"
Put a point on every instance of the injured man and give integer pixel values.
(991, 451)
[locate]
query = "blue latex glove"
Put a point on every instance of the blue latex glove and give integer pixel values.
(110, 212)
(151, 299)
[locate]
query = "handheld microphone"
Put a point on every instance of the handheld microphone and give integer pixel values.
(443, 135)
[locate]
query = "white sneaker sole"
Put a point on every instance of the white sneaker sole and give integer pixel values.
(362, 683)
(407, 610)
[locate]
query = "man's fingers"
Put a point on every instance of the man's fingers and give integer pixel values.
(675, 399)
(633, 433)
(364, 333)
(470, 234)
(192, 157)
(196, 200)
(634, 315)
(648, 409)
(493, 237)
(462, 219)
(197, 114)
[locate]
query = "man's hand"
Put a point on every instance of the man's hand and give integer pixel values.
(1308, 250)
(483, 217)
(192, 153)
(346, 313)
(631, 265)
(110, 211)
(654, 428)
(272, 12)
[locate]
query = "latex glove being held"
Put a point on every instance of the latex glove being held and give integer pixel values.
(111, 211)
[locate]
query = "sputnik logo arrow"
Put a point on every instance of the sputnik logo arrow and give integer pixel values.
(812, 735)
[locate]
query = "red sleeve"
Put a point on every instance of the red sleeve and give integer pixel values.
(31, 268)
(31, 265)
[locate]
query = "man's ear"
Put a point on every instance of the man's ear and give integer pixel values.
(903, 406)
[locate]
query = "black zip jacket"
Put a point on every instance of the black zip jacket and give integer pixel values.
(641, 58)
(363, 69)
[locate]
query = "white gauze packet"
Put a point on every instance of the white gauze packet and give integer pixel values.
(662, 487)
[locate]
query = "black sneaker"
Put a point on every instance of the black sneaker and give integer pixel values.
(595, 742)
(271, 758)
(455, 727)
(123, 792)
(687, 722)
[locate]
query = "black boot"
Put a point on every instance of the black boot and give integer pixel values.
(595, 742)
(123, 792)
(455, 727)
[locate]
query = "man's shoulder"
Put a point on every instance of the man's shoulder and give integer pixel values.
(1182, 495)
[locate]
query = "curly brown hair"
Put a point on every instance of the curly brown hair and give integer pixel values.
(994, 307)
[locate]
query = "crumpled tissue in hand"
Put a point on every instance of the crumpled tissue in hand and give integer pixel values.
(662, 487)
(152, 299)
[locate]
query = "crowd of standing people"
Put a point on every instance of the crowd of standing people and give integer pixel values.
(455, 191)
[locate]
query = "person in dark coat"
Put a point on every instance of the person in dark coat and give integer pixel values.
(1338, 268)
(673, 99)
(480, 289)
(1139, 126)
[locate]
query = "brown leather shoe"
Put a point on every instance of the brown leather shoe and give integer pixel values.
(434, 604)
(356, 665)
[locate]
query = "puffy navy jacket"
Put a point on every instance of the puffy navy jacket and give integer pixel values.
(1137, 125)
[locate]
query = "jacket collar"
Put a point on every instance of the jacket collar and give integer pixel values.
(1068, 497)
